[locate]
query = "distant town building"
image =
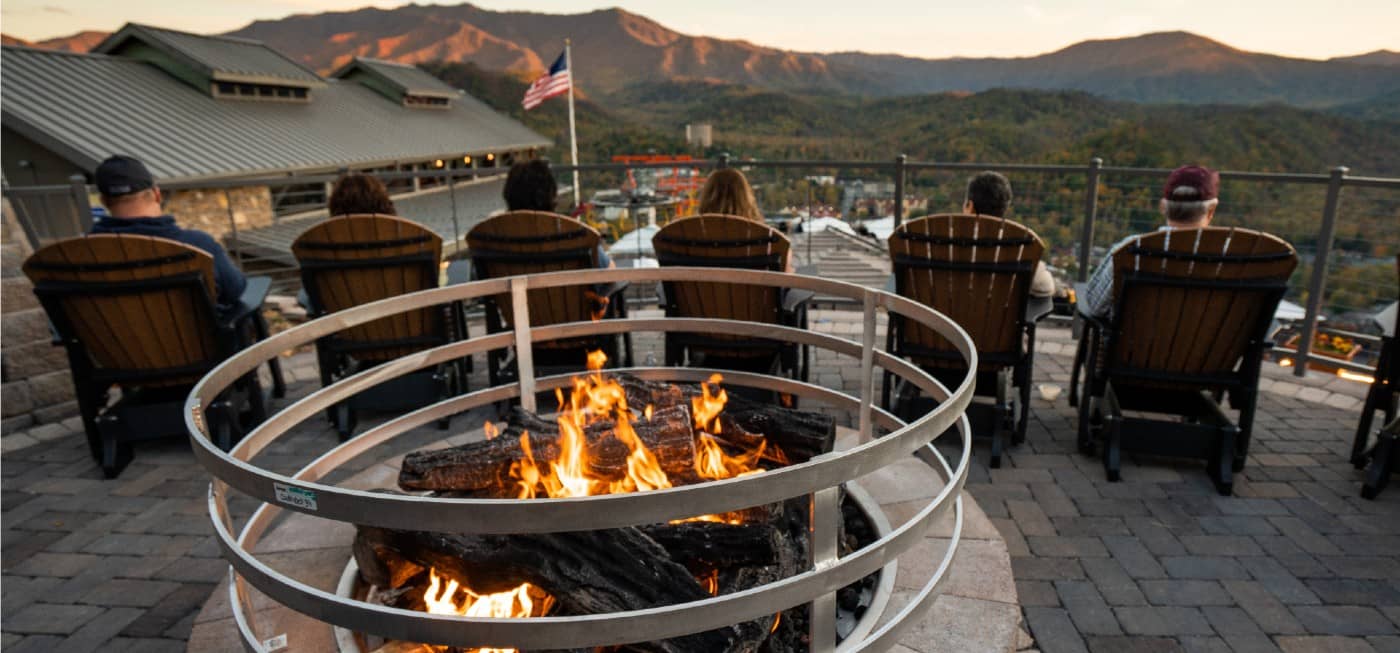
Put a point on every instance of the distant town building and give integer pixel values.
(699, 134)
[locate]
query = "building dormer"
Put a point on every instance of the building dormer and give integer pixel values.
(407, 85)
(225, 67)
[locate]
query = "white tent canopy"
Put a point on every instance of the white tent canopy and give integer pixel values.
(1289, 311)
(634, 244)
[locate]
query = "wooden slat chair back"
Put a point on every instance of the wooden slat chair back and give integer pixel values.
(352, 260)
(714, 240)
(1189, 303)
(142, 308)
(533, 242)
(977, 270)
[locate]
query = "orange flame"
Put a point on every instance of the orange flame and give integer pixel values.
(707, 407)
(594, 398)
(710, 582)
(511, 603)
(490, 430)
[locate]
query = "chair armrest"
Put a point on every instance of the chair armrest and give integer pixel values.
(1037, 308)
(794, 298)
(249, 303)
(1079, 289)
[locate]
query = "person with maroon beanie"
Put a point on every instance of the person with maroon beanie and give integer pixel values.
(1188, 201)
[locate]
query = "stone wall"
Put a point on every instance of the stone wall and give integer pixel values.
(207, 210)
(35, 386)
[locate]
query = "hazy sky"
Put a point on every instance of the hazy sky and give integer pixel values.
(927, 28)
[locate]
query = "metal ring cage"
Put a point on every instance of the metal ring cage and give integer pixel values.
(820, 478)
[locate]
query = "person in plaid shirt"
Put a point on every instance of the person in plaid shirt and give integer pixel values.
(1189, 199)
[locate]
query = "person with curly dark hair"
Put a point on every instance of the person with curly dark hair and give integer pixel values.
(360, 194)
(530, 186)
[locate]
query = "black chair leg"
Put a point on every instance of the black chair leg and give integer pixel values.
(346, 419)
(257, 401)
(1363, 429)
(1383, 461)
(1222, 465)
(1023, 418)
(116, 451)
(886, 386)
(1086, 431)
(1076, 367)
(1003, 418)
(279, 384)
(1250, 398)
(446, 378)
(326, 365)
(90, 402)
(1113, 449)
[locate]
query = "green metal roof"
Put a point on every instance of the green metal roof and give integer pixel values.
(86, 107)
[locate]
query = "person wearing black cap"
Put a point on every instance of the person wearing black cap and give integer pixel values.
(133, 202)
(1189, 199)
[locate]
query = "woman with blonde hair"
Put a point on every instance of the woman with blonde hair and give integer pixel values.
(727, 191)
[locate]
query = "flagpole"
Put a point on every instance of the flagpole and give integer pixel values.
(573, 135)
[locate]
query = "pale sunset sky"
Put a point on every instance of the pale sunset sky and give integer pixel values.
(922, 28)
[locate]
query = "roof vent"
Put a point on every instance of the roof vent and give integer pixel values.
(223, 66)
(408, 85)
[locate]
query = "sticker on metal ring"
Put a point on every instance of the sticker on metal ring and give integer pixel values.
(295, 496)
(276, 643)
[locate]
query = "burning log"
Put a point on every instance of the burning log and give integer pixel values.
(798, 435)
(482, 468)
(586, 573)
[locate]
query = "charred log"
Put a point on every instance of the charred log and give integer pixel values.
(793, 436)
(587, 572)
(484, 468)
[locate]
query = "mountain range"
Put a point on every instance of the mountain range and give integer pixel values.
(614, 49)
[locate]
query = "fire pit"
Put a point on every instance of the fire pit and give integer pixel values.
(537, 500)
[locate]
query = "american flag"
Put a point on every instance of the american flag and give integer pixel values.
(553, 83)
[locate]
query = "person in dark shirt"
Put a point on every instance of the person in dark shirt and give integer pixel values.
(133, 202)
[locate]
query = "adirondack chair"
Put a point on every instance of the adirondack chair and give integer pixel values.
(348, 261)
(138, 313)
(1190, 321)
(533, 242)
(977, 270)
(726, 241)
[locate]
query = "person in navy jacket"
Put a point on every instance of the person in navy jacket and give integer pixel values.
(133, 202)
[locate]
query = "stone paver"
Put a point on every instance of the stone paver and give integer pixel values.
(1297, 561)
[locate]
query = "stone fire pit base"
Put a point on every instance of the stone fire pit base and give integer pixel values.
(977, 610)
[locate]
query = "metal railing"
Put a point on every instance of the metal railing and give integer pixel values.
(1347, 249)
